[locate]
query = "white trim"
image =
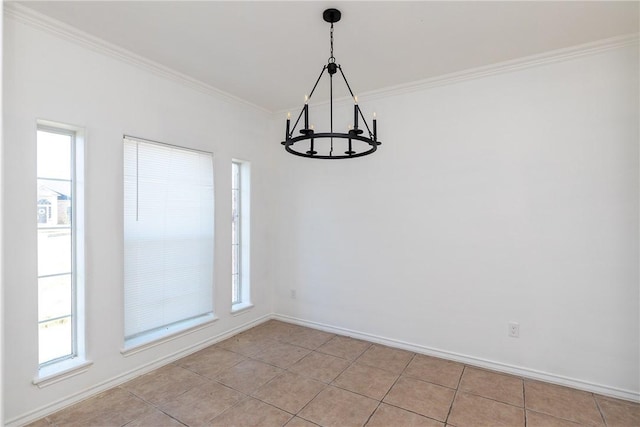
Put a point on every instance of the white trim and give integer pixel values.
(531, 61)
(61, 371)
(153, 339)
(240, 308)
(470, 360)
(2, 193)
(88, 392)
(59, 29)
(550, 57)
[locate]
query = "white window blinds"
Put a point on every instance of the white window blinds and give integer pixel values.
(168, 236)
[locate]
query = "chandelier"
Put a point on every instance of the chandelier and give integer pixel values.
(345, 146)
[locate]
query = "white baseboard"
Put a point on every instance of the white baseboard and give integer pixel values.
(120, 379)
(470, 360)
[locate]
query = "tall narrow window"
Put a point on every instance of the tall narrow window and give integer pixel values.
(240, 295)
(59, 222)
(168, 237)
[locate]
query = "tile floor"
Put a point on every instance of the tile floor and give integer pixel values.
(281, 374)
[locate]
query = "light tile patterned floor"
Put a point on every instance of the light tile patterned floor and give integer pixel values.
(281, 374)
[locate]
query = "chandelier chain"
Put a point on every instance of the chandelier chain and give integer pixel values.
(332, 58)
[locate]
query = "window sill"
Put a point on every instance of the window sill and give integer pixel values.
(61, 371)
(152, 339)
(240, 308)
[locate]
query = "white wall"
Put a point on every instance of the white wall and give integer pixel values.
(47, 77)
(512, 197)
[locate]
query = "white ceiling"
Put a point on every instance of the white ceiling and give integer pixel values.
(270, 53)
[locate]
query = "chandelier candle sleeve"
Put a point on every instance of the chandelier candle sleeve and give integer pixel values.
(375, 127)
(311, 145)
(286, 135)
(306, 112)
(355, 113)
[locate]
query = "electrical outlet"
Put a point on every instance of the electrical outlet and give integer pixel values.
(514, 330)
(293, 294)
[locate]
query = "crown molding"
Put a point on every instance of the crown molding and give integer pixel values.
(35, 19)
(550, 57)
(59, 29)
(532, 61)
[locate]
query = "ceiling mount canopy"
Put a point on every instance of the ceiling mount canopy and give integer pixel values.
(348, 145)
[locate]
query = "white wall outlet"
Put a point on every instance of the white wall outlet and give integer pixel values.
(293, 294)
(514, 330)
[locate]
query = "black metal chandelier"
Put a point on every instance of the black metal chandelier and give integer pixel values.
(294, 145)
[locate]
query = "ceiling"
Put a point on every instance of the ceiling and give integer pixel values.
(270, 53)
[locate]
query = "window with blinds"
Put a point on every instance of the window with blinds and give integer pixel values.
(168, 239)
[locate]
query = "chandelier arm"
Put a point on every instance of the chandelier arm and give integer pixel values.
(345, 81)
(308, 98)
(317, 81)
(365, 123)
(364, 120)
(296, 124)
(302, 111)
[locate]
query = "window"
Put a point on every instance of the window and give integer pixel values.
(240, 296)
(60, 250)
(168, 239)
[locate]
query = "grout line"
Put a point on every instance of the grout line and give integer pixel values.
(556, 417)
(491, 399)
(464, 368)
(170, 416)
(399, 407)
(391, 388)
(325, 386)
(414, 412)
(153, 405)
(231, 407)
(524, 402)
(455, 394)
(371, 414)
(599, 408)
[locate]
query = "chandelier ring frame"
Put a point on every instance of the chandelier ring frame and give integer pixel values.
(313, 136)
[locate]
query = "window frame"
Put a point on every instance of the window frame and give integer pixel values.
(244, 232)
(74, 362)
